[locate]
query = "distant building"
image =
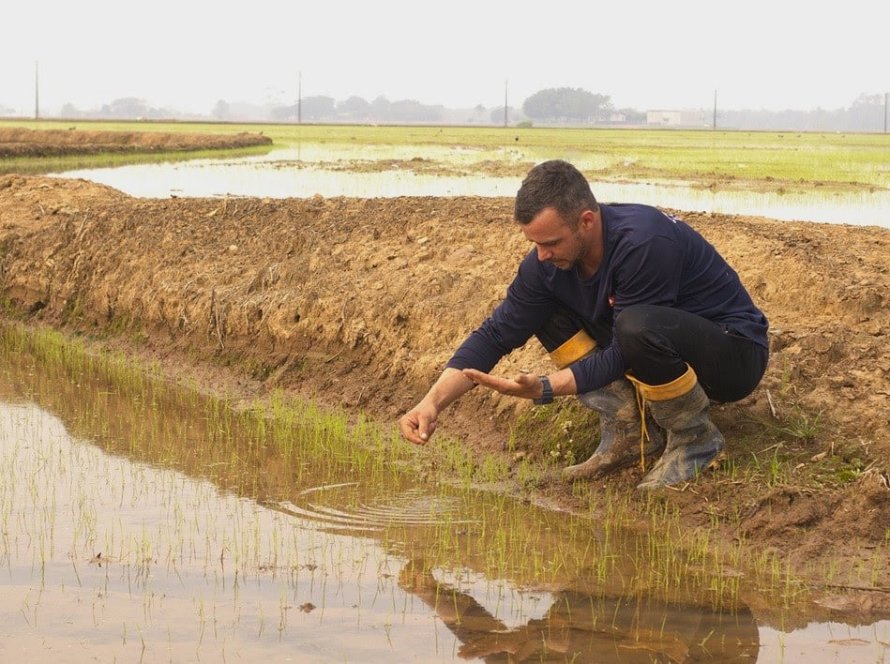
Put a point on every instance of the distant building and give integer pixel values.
(695, 118)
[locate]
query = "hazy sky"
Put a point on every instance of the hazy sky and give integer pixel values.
(187, 54)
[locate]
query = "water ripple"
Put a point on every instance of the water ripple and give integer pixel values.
(335, 508)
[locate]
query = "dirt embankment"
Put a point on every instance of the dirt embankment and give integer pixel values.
(24, 142)
(360, 302)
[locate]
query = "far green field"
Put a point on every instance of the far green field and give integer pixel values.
(746, 160)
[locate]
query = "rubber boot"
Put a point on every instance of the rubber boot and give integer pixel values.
(567, 340)
(620, 432)
(693, 441)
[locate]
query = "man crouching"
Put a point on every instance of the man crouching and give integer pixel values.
(627, 300)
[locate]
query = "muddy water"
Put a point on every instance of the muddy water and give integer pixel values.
(325, 170)
(143, 523)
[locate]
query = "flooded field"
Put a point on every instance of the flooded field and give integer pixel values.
(143, 522)
(388, 171)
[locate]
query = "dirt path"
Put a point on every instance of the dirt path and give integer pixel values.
(359, 303)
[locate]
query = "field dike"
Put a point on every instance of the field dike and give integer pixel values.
(358, 304)
(25, 142)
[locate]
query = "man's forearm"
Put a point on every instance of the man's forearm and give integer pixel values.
(451, 385)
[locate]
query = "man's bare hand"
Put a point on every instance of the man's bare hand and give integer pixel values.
(525, 386)
(418, 424)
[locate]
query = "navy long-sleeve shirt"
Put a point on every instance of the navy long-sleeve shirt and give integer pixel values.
(648, 258)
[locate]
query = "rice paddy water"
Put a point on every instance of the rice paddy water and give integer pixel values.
(146, 522)
(336, 170)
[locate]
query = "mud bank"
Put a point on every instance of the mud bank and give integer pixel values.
(24, 142)
(359, 302)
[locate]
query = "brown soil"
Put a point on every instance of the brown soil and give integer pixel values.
(359, 303)
(24, 142)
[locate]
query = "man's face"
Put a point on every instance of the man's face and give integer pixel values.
(556, 241)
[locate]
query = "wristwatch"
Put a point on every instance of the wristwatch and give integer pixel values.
(547, 395)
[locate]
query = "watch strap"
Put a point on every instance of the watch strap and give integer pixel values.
(547, 394)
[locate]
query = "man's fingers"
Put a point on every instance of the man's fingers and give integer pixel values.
(523, 385)
(493, 382)
(482, 378)
(425, 427)
(527, 380)
(417, 428)
(474, 374)
(410, 429)
(517, 387)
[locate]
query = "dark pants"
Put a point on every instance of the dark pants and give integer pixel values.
(658, 342)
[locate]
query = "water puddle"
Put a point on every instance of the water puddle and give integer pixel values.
(334, 170)
(145, 523)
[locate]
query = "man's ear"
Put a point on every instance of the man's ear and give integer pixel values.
(588, 219)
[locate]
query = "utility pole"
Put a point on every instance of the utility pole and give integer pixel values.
(714, 120)
(36, 90)
(886, 103)
(300, 97)
(506, 107)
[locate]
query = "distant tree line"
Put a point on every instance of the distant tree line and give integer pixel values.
(567, 105)
(125, 108)
(551, 106)
(357, 109)
(866, 114)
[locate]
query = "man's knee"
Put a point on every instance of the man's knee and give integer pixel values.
(647, 348)
(632, 326)
(629, 323)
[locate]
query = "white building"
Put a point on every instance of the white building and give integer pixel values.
(694, 118)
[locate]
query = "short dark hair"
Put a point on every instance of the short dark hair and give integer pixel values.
(555, 184)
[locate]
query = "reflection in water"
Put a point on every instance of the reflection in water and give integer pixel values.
(306, 172)
(145, 522)
(584, 628)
